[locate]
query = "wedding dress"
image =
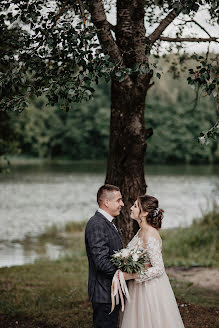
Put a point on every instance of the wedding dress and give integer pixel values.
(152, 301)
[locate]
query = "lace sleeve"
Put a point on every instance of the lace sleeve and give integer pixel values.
(155, 256)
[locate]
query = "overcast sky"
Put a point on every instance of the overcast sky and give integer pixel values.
(193, 30)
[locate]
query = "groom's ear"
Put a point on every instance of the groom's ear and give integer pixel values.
(106, 202)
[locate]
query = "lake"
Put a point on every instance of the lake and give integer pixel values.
(35, 196)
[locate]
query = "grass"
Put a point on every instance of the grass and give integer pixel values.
(54, 293)
(190, 293)
(196, 245)
(65, 236)
(26, 159)
(69, 227)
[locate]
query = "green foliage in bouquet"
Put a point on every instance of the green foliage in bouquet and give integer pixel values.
(130, 261)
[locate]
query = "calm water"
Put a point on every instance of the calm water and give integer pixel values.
(34, 197)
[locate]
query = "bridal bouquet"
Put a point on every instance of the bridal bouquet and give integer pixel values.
(129, 260)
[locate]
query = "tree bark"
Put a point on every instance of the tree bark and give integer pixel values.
(125, 167)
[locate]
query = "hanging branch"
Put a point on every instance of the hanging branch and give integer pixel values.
(211, 133)
(82, 12)
(199, 25)
(62, 10)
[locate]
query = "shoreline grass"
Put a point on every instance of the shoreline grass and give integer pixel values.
(25, 159)
(196, 245)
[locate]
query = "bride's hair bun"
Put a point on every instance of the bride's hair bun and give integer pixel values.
(149, 204)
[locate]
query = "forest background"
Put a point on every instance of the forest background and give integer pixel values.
(174, 111)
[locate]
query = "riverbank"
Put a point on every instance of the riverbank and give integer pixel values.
(53, 294)
(100, 165)
(193, 246)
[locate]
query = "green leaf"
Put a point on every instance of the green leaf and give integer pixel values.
(203, 70)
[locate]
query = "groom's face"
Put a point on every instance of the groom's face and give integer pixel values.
(114, 203)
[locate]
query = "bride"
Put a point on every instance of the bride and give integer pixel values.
(153, 304)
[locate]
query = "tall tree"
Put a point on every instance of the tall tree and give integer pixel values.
(67, 46)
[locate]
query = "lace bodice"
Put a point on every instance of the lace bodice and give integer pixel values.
(153, 249)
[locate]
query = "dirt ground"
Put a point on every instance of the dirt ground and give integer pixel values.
(202, 277)
(194, 316)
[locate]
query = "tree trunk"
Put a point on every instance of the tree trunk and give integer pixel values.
(125, 167)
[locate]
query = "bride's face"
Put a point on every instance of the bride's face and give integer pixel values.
(135, 211)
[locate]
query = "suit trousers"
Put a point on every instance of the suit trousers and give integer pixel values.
(101, 316)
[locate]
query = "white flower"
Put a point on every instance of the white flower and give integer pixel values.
(125, 252)
(138, 249)
(135, 257)
(117, 254)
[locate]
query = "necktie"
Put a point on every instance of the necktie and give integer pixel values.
(114, 223)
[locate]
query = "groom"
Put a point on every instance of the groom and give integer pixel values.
(102, 239)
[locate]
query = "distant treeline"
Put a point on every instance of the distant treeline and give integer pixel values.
(83, 131)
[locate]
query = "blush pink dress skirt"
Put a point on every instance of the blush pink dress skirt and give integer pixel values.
(152, 301)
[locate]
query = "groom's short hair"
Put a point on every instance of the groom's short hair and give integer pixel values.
(104, 192)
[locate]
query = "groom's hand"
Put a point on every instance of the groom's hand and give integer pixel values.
(148, 265)
(129, 276)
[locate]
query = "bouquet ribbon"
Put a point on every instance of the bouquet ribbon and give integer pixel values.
(118, 288)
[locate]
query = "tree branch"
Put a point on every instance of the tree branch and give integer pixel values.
(62, 10)
(201, 27)
(82, 11)
(164, 38)
(98, 18)
(163, 25)
(150, 85)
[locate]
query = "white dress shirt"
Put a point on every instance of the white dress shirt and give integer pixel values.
(107, 216)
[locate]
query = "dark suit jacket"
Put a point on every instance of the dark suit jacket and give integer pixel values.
(101, 239)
